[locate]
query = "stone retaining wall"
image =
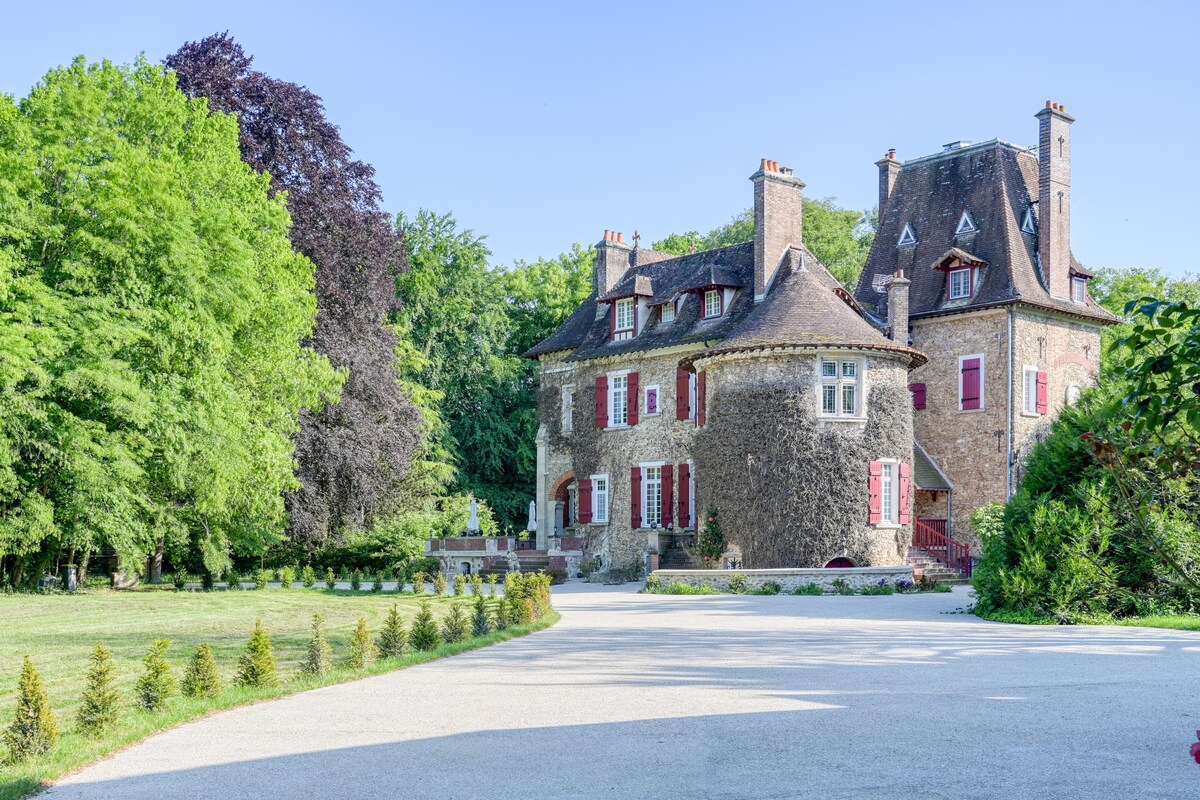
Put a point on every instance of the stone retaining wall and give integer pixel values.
(789, 579)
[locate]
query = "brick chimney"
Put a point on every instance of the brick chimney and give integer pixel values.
(612, 259)
(889, 169)
(1054, 197)
(778, 220)
(898, 308)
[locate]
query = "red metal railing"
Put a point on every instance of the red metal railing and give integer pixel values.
(930, 536)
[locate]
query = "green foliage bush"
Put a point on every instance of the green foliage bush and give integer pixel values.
(456, 627)
(362, 649)
(710, 542)
(233, 581)
(502, 620)
(476, 585)
(101, 706)
(770, 587)
(882, 587)
(654, 584)
(687, 588)
(738, 583)
(418, 583)
(318, 658)
(179, 579)
(34, 731)
(481, 621)
(287, 576)
(439, 584)
(809, 589)
(393, 639)
(330, 578)
(491, 581)
(424, 634)
(460, 585)
(356, 580)
(207, 581)
(157, 683)
(842, 586)
(261, 578)
(201, 678)
(256, 666)
(377, 585)
(308, 576)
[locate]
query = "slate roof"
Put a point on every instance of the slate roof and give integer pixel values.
(926, 474)
(996, 182)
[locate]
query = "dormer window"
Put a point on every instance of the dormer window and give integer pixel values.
(1079, 290)
(667, 312)
(623, 319)
(960, 283)
(965, 224)
(1028, 224)
(907, 237)
(712, 304)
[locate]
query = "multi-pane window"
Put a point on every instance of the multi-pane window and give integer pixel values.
(599, 498)
(1079, 290)
(623, 320)
(841, 383)
(1030, 394)
(960, 284)
(568, 408)
(651, 497)
(618, 400)
(667, 312)
(887, 492)
(712, 303)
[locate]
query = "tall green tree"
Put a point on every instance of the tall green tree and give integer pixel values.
(152, 315)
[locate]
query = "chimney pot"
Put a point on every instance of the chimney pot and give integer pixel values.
(621, 237)
(763, 165)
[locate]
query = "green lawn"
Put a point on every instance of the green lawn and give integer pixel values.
(59, 632)
(1179, 622)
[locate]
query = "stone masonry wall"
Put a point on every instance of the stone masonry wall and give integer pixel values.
(789, 579)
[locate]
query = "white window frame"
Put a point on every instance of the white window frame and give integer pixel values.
(907, 237)
(1078, 290)
(666, 312)
(889, 493)
(693, 391)
(613, 405)
(960, 295)
(710, 294)
(839, 382)
(651, 507)
(568, 408)
(692, 496)
(1029, 391)
(965, 224)
(1028, 225)
(597, 481)
(982, 383)
(624, 331)
(657, 401)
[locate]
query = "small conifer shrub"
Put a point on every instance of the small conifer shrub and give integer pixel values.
(101, 701)
(481, 621)
(34, 731)
(377, 586)
(308, 576)
(232, 581)
(356, 580)
(389, 574)
(256, 666)
(207, 581)
(262, 578)
(287, 576)
(179, 578)
(492, 584)
(330, 578)
(460, 585)
(201, 678)
(418, 583)
(457, 626)
(476, 585)
(362, 649)
(319, 658)
(502, 621)
(439, 584)
(157, 683)
(393, 639)
(424, 634)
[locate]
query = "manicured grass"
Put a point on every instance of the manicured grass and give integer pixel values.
(59, 632)
(1179, 622)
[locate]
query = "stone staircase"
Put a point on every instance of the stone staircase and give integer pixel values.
(531, 561)
(927, 565)
(676, 557)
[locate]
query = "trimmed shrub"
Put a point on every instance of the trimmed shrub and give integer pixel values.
(201, 678)
(233, 581)
(476, 585)
(157, 683)
(481, 621)
(308, 576)
(491, 581)
(439, 584)
(809, 589)
(393, 639)
(330, 578)
(460, 585)
(179, 578)
(362, 649)
(287, 576)
(424, 634)
(101, 701)
(654, 584)
(262, 578)
(377, 586)
(356, 580)
(256, 666)
(738, 583)
(34, 732)
(502, 621)
(456, 627)
(418, 582)
(319, 657)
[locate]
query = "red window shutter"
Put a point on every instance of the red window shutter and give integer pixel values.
(682, 394)
(905, 480)
(585, 501)
(875, 493)
(631, 398)
(701, 399)
(685, 495)
(602, 401)
(668, 486)
(1042, 404)
(635, 493)
(918, 393)
(970, 384)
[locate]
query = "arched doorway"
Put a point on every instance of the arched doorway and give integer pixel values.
(565, 503)
(841, 562)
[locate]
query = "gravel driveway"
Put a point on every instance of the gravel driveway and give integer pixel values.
(634, 696)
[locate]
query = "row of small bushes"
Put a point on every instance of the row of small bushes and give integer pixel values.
(740, 584)
(34, 731)
(287, 578)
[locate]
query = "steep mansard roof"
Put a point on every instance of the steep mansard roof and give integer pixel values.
(805, 307)
(996, 183)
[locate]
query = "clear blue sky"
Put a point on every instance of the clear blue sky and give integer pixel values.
(543, 124)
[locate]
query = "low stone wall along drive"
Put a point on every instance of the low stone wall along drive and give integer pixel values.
(788, 579)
